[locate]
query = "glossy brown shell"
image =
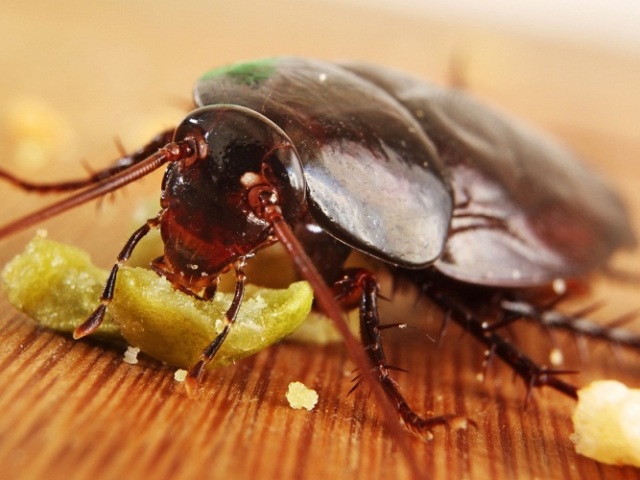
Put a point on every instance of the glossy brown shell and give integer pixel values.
(382, 152)
(373, 178)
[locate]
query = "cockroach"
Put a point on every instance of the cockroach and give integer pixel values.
(327, 158)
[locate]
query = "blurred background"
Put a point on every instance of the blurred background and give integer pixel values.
(609, 24)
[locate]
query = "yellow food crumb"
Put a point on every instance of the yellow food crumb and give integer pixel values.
(300, 396)
(180, 375)
(607, 423)
(556, 357)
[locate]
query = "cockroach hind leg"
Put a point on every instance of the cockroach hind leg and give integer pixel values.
(533, 374)
(579, 322)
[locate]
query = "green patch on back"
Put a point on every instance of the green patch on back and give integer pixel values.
(246, 73)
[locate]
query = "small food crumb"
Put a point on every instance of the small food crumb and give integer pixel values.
(299, 396)
(559, 286)
(556, 357)
(180, 375)
(607, 423)
(131, 355)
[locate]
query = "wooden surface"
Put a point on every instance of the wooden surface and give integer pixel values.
(75, 410)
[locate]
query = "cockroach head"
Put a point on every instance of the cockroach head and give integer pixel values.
(242, 148)
(213, 199)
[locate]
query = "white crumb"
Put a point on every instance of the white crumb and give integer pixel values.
(300, 396)
(556, 358)
(131, 355)
(559, 286)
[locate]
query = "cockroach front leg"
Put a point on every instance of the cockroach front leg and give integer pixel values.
(208, 353)
(95, 319)
(361, 286)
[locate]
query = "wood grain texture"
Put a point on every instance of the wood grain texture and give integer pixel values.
(75, 410)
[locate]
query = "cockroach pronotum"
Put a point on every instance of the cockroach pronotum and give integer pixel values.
(327, 158)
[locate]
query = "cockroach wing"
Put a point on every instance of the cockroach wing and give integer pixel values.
(374, 179)
(526, 211)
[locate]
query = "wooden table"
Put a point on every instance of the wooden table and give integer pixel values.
(75, 410)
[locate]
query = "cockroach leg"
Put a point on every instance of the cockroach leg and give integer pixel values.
(95, 319)
(533, 375)
(577, 323)
(208, 353)
(362, 283)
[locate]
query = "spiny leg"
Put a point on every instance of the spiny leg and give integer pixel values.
(576, 323)
(118, 166)
(95, 319)
(229, 318)
(362, 283)
(534, 375)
